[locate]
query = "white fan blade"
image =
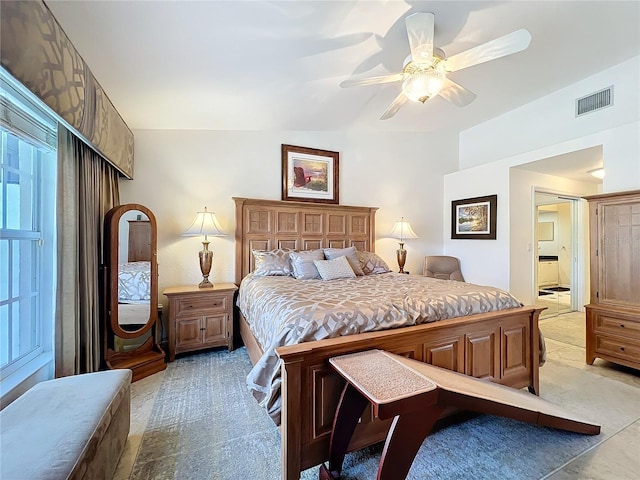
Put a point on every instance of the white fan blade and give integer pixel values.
(396, 77)
(456, 94)
(395, 106)
(511, 43)
(420, 32)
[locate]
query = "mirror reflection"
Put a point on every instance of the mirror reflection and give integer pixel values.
(134, 270)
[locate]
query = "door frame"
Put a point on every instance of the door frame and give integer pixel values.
(579, 278)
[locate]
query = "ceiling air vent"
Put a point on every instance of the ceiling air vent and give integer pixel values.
(594, 101)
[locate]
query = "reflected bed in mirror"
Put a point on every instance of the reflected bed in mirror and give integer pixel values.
(134, 294)
(134, 270)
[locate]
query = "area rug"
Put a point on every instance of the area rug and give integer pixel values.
(206, 425)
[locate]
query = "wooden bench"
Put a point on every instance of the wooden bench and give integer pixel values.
(414, 394)
(68, 428)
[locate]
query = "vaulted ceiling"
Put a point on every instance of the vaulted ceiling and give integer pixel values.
(277, 65)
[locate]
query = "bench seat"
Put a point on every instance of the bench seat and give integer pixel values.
(68, 428)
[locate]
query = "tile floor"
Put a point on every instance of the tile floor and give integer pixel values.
(616, 458)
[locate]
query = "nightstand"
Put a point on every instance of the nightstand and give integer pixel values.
(200, 317)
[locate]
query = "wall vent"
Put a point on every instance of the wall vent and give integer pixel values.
(594, 101)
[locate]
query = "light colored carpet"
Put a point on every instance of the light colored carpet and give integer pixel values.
(206, 425)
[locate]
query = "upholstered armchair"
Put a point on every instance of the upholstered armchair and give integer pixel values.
(443, 267)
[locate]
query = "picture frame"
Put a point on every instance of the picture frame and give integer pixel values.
(474, 218)
(310, 174)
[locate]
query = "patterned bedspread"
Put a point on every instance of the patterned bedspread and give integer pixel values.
(134, 282)
(285, 311)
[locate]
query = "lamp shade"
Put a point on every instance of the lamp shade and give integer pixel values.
(205, 224)
(402, 230)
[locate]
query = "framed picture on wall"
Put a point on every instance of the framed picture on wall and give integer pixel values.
(474, 218)
(309, 174)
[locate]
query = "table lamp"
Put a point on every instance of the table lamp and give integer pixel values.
(205, 224)
(402, 230)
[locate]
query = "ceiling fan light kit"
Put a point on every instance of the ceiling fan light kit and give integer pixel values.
(423, 80)
(425, 70)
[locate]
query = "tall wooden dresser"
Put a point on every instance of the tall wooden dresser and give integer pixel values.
(613, 314)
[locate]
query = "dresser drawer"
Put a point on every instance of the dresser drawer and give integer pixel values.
(617, 324)
(208, 304)
(618, 347)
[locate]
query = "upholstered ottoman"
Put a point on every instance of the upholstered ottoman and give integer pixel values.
(68, 428)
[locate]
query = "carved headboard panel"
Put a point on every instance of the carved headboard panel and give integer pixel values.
(270, 224)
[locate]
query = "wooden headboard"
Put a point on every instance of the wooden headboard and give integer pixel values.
(270, 224)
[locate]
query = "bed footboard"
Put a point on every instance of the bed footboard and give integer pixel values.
(502, 347)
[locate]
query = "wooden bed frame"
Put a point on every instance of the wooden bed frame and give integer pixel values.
(499, 346)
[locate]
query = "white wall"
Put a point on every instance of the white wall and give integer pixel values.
(179, 172)
(561, 246)
(542, 129)
(551, 120)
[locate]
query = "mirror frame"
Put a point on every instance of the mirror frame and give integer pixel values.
(112, 220)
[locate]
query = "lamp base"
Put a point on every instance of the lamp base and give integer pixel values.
(401, 253)
(206, 259)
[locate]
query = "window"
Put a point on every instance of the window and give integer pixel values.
(27, 230)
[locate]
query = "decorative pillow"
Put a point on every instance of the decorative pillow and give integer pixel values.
(271, 262)
(350, 253)
(333, 269)
(302, 264)
(372, 263)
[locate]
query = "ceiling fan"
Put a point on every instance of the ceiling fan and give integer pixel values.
(424, 70)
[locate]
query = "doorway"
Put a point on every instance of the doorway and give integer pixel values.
(556, 254)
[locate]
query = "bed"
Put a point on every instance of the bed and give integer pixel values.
(134, 294)
(502, 346)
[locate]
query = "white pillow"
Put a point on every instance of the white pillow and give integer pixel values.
(334, 269)
(350, 253)
(302, 264)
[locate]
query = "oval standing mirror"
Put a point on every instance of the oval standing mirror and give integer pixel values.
(131, 295)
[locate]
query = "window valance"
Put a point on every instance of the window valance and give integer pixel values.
(37, 52)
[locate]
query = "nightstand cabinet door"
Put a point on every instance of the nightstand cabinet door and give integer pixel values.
(215, 328)
(200, 318)
(188, 333)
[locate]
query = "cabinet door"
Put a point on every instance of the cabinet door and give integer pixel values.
(547, 273)
(188, 333)
(617, 253)
(215, 328)
(482, 354)
(139, 241)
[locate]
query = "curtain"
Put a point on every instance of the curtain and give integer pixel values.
(87, 190)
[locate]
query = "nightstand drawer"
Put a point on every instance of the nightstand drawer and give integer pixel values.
(207, 304)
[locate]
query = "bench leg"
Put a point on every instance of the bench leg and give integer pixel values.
(405, 436)
(350, 407)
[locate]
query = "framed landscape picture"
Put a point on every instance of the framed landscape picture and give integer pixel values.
(474, 218)
(309, 174)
